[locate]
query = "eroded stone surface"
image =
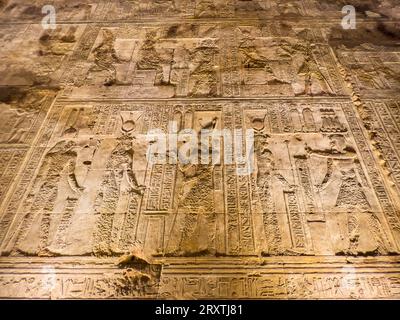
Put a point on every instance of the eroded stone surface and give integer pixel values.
(84, 214)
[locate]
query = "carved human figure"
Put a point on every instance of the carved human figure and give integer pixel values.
(266, 177)
(118, 189)
(314, 79)
(253, 59)
(18, 115)
(15, 124)
(205, 8)
(150, 58)
(151, 7)
(179, 70)
(203, 76)
(364, 229)
(196, 202)
(357, 229)
(56, 42)
(105, 58)
(55, 183)
(375, 74)
(194, 230)
(288, 8)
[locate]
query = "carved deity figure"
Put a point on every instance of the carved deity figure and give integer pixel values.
(196, 202)
(358, 230)
(18, 115)
(15, 124)
(203, 76)
(286, 7)
(206, 8)
(314, 79)
(266, 177)
(56, 187)
(114, 207)
(377, 76)
(194, 230)
(105, 58)
(149, 58)
(151, 7)
(363, 230)
(253, 59)
(161, 60)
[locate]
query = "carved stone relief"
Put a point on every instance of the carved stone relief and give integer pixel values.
(85, 212)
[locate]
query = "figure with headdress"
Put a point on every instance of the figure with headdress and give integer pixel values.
(118, 199)
(56, 181)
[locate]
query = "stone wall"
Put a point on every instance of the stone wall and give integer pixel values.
(84, 214)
